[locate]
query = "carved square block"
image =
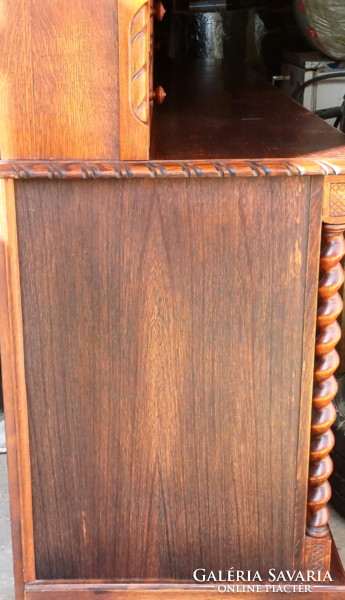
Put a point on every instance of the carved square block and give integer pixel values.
(318, 554)
(334, 200)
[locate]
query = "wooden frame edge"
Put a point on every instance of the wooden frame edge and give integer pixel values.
(95, 169)
(14, 388)
(310, 310)
(134, 138)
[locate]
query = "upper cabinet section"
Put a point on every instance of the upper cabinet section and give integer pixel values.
(75, 79)
(136, 56)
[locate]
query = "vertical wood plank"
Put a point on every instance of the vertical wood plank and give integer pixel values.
(314, 241)
(59, 79)
(12, 356)
(134, 78)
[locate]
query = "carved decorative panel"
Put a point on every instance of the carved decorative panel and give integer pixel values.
(337, 200)
(318, 555)
(334, 200)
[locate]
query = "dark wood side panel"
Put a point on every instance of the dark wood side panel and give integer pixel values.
(310, 310)
(59, 79)
(333, 592)
(92, 591)
(163, 329)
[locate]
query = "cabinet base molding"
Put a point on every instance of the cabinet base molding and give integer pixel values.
(51, 590)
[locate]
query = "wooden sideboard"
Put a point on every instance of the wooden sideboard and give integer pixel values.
(159, 304)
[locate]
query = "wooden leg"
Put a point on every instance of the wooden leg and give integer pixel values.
(326, 387)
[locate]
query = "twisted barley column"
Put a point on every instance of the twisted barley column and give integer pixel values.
(326, 386)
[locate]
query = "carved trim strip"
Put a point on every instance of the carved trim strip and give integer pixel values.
(139, 67)
(26, 169)
(326, 387)
(134, 93)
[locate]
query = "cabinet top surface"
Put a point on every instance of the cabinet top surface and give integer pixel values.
(214, 126)
(209, 114)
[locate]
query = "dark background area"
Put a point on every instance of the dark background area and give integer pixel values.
(282, 33)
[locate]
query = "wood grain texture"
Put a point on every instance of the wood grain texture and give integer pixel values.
(212, 112)
(135, 58)
(9, 386)
(68, 590)
(13, 373)
(89, 591)
(326, 386)
(156, 357)
(59, 79)
(29, 169)
(318, 554)
(315, 217)
(337, 592)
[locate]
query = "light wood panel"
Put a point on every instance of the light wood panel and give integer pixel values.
(59, 79)
(136, 58)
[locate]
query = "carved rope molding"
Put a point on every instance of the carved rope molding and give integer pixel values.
(54, 169)
(139, 67)
(326, 386)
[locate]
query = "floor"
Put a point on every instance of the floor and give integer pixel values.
(6, 574)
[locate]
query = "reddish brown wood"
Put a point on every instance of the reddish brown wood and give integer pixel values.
(337, 592)
(14, 391)
(8, 384)
(318, 554)
(134, 78)
(159, 11)
(310, 311)
(55, 590)
(28, 169)
(325, 383)
(212, 113)
(135, 331)
(158, 95)
(92, 590)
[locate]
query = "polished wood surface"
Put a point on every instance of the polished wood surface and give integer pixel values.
(135, 58)
(91, 591)
(310, 309)
(14, 392)
(326, 387)
(217, 169)
(9, 395)
(158, 303)
(154, 359)
(70, 590)
(59, 62)
(211, 113)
